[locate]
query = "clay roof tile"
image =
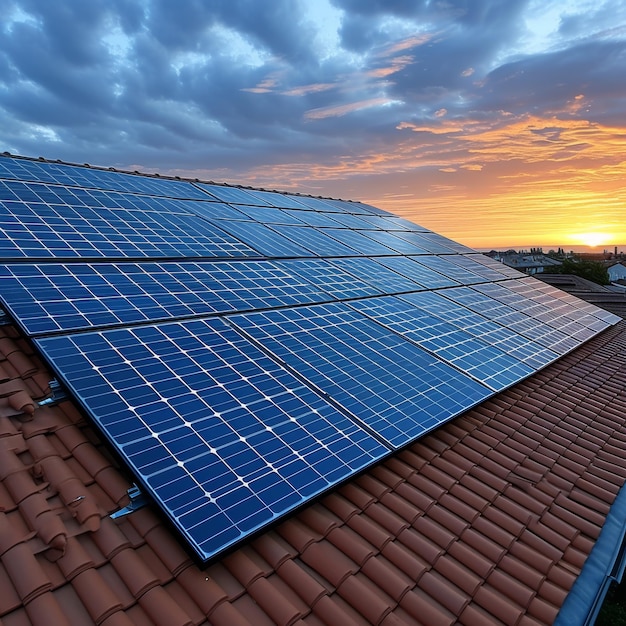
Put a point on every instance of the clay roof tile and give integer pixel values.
(366, 597)
(309, 589)
(329, 562)
(426, 610)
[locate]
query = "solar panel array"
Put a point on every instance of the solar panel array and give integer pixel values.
(245, 351)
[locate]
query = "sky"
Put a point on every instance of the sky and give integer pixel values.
(497, 123)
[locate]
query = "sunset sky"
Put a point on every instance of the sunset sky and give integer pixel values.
(498, 123)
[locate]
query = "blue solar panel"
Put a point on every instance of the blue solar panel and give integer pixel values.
(263, 239)
(377, 275)
(489, 327)
(38, 230)
(358, 241)
(314, 240)
(52, 297)
(413, 269)
(223, 437)
(486, 363)
(232, 195)
(330, 278)
(398, 245)
(386, 382)
(246, 350)
(72, 175)
(443, 265)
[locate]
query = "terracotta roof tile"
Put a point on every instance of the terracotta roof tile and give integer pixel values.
(386, 576)
(489, 519)
(277, 600)
(352, 544)
(424, 609)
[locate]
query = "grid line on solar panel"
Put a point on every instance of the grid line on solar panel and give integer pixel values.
(224, 439)
(378, 275)
(393, 386)
(51, 297)
(37, 230)
(491, 327)
(264, 240)
(413, 269)
(485, 363)
(75, 175)
(329, 278)
(316, 241)
(443, 265)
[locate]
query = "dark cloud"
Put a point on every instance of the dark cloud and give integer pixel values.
(238, 84)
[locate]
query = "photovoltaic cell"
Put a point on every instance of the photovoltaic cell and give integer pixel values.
(222, 436)
(477, 358)
(34, 230)
(377, 275)
(51, 297)
(264, 240)
(413, 269)
(341, 352)
(330, 278)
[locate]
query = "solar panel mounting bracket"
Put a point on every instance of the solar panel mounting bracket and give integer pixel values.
(57, 394)
(137, 501)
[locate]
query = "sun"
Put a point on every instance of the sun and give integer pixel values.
(593, 239)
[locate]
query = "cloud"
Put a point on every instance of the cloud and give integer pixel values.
(373, 99)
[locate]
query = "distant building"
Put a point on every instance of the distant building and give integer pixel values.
(528, 263)
(617, 272)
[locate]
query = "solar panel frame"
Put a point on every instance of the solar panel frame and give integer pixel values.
(223, 437)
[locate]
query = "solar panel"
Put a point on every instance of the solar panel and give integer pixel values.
(482, 361)
(246, 350)
(443, 265)
(413, 269)
(62, 174)
(39, 230)
(316, 241)
(330, 278)
(342, 353)
(51, 297)
(263, 239)
(226, 439)
(377, 275)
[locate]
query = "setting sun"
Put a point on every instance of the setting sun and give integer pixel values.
(592, 240)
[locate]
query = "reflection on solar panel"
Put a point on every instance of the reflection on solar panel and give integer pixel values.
(243, 350)
(225, 438)
(51, 297)
(409, 391)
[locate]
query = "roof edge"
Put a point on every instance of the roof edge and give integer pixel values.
(604, 565)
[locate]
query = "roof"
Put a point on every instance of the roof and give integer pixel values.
(487, 520)
(490, 518)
